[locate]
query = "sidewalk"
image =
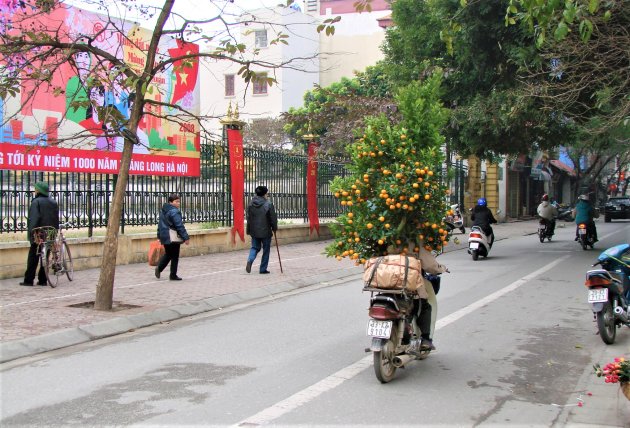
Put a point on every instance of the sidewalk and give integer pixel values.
(39, 319)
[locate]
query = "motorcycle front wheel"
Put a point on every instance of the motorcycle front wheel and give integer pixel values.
(606, 324)
(541, 236)
(384, 369)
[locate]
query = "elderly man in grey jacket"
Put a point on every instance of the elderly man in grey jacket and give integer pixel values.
(261, 223)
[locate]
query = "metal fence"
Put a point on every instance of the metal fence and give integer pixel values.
(84, 198)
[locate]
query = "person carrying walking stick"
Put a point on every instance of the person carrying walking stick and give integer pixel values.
(262, 222)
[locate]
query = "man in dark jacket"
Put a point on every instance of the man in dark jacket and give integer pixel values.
(261, 223)
(44, 211)
(482, 217)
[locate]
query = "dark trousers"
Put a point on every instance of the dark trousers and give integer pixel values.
(423, 319)
(31, 267)
(171, 254)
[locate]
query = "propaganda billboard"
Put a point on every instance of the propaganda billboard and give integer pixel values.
(56, 126)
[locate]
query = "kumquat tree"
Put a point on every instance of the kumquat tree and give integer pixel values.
(394, 197)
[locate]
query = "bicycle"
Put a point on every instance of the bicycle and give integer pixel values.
(54, 253)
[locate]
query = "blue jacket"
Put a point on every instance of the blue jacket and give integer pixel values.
(170, 218)
(584, 212)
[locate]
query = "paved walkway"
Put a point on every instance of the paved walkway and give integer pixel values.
(39, 319)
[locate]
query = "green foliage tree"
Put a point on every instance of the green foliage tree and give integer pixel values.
(335, 112)
(394, 196)
(560, 17)
(482, 60)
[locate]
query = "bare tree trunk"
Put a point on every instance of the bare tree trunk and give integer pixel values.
(105, 288)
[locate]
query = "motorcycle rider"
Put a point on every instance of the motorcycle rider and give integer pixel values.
(548, 213)
(482, 217)
(425, 321)
(584, 213)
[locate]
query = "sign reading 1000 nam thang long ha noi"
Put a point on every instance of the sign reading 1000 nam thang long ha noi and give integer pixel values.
(48, 130)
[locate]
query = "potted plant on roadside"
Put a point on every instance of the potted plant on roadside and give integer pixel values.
(616, 372)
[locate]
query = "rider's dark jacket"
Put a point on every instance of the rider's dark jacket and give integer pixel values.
(482, 217)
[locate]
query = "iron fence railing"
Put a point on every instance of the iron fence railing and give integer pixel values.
(84, 198)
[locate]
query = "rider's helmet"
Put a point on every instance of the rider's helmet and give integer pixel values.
(583, 197)
(482, 202)
(545, 197)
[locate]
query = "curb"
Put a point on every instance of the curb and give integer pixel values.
(13, 350)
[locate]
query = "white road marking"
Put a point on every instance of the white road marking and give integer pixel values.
(306, 395)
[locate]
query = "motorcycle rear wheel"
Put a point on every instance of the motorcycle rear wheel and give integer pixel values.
(475, 255)
(541, 236)
(584, 245)
(463, 230)
(606, 324)
(384, 369)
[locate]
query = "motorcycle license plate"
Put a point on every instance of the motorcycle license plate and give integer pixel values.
(382, 329)
(582, 232)
(474, 245)
(597, 295)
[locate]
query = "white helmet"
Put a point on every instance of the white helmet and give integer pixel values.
(583, 197)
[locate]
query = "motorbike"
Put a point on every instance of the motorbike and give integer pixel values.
(544, 230)
(585, 236)
(609, 291)
(455, 220)
(391, 326)
(478, 244)
(565, 212)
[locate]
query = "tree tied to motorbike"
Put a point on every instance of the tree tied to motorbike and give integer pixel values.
(394, 197)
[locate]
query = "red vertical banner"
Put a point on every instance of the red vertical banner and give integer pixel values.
(237, 180)
(311, 188)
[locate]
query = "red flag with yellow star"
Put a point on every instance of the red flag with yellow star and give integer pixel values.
(185, 70)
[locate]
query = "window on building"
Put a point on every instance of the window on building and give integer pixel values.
(261, 38)
(260, 84)
(229, 85)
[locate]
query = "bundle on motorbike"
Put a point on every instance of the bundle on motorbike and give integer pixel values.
(396, 284)
(609, 291)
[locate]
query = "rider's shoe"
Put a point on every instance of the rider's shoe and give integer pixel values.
(427, 345)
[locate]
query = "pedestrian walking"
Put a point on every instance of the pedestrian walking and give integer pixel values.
(44, 211)
(262, 222)
(171, 233)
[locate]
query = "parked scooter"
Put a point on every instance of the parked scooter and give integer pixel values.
(478, 244)
(585, 236)
(609, 291)
(455, 220)
(565, 212)
(392, 317)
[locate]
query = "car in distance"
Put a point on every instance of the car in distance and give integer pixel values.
(617, 208)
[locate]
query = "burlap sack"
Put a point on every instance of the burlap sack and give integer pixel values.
(390, 272)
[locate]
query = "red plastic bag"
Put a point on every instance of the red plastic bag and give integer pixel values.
(156, 251)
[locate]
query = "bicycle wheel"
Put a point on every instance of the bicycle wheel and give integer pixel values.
(66, 261)
(47, 260)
